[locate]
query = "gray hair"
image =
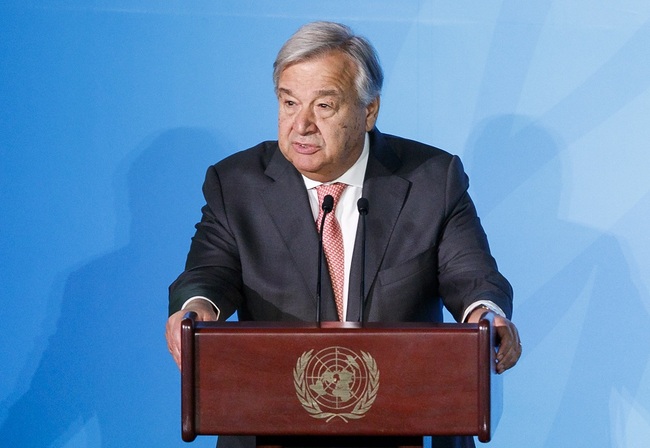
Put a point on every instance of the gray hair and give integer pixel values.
(319, 38)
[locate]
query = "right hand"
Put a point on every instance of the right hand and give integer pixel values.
(205, 312)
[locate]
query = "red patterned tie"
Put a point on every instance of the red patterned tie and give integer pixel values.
(333, 243)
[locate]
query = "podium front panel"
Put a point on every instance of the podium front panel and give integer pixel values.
(264, 379)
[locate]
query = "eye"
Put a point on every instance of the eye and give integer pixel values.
(325, 106)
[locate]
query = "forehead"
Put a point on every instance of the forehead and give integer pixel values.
(331, 73)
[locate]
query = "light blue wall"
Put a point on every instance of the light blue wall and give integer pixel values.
(110, 112)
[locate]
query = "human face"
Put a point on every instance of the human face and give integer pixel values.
(321, 123)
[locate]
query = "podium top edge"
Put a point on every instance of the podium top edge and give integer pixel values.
(332, 326)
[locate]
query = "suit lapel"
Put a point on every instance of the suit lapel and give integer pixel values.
(386, 194)
(287, 203)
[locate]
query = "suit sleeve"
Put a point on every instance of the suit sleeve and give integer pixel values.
(213, 268)
(467, 271)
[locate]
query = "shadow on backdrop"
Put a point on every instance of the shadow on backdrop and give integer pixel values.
(107, 360)
(560, 269)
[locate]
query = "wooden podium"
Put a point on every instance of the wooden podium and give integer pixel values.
(343, 381)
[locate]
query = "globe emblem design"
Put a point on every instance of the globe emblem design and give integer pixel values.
(336, 378)
(336, 382)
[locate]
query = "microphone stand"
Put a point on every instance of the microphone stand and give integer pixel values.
(327, 206)
(362, 206)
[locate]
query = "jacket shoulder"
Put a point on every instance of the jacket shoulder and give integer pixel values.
(255, 156)
(412, 158)
(407, 148)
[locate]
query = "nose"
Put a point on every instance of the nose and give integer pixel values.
(304, 122)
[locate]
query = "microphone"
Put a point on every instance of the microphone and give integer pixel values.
(362, 206)
(327, 206)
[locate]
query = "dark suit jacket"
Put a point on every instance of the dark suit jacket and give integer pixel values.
(255, 250)
(256, 247)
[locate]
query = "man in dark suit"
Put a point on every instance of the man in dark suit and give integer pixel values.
(255, 248)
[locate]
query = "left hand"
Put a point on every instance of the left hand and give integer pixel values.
(509, 350)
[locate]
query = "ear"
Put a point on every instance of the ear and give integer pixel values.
(372, 111)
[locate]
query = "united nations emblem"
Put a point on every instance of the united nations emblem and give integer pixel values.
(336, 382)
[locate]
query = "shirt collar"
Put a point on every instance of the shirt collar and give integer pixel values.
(354, 175)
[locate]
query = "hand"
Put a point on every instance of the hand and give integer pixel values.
(509, 350)
(204, 310)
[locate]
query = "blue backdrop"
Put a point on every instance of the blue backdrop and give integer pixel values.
(111, 110)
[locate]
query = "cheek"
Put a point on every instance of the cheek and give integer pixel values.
(349, 130)
(284, 125)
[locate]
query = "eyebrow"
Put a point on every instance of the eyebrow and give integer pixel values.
(319, 93)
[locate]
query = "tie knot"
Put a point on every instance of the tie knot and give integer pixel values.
(335, 190)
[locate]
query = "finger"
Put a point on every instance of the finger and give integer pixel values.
(177, 344)
(510, 348)
(173, 336)
(508, 360)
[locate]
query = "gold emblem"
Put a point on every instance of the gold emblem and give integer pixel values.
(336, 382)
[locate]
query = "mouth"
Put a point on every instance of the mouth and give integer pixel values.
(304, 148)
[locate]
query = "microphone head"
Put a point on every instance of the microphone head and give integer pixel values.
(328, 203)
(362, 206)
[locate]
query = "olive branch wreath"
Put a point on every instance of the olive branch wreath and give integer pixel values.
(311, 405)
